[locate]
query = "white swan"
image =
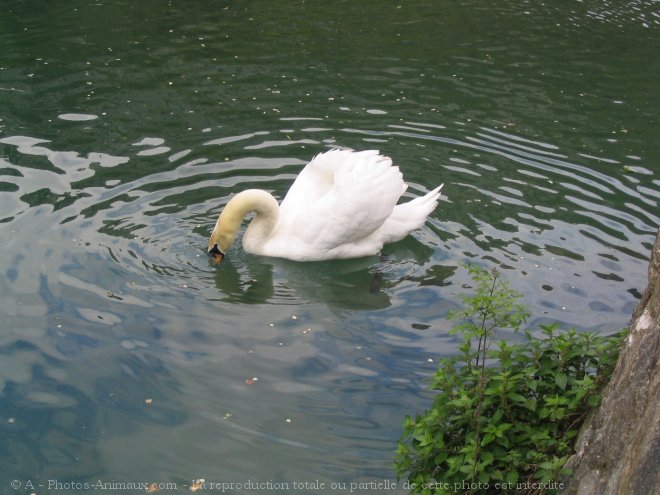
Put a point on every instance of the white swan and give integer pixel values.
(341, 205)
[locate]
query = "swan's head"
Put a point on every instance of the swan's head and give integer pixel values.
(224, 233)
(220, 241)
(216, 255)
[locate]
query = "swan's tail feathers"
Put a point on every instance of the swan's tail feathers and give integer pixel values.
(409, 216)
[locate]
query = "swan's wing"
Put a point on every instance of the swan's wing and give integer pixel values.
(313, 181)
(365, 189)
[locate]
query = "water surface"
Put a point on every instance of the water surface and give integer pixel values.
(126, 126)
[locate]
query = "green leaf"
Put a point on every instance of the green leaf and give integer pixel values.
(503, 441)
(512, 477)
(561, 380)
(494, 390)
(502, 428)
(516, 397)
(487, 439)
(466, 468)
(558, 413)
(440, 458)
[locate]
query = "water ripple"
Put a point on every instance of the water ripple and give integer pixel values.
(121, 143)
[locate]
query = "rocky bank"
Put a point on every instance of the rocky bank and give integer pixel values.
(618, 450)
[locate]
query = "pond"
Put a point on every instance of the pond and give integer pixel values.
(127, 358)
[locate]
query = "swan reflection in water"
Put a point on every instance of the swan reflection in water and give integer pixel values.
(357, 284)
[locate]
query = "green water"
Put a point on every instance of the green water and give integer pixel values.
(126, 126)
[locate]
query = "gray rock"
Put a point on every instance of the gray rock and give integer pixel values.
(618, 450)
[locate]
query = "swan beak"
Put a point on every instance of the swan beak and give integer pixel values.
(216, 255)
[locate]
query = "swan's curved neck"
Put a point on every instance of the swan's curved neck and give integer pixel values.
(263, 204)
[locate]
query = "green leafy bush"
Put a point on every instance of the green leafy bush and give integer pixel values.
(506, 415)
